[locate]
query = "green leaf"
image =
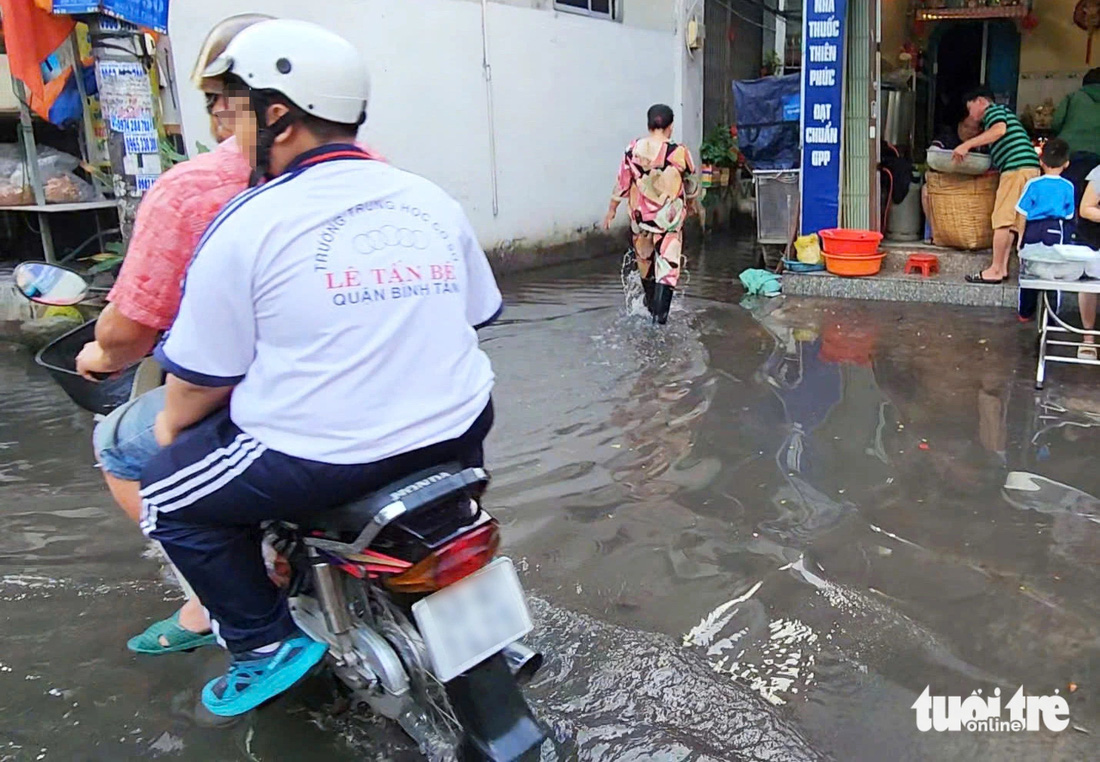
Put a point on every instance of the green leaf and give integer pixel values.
(200, 148)
(170, 157)
(109, 259)
(719, 147)
(105, 265)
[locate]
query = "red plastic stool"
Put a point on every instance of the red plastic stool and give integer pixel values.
(925, 263)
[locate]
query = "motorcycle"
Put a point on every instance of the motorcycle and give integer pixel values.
(424, 622)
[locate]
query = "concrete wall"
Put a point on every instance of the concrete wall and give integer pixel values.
(1052, 55)
(1056, 45)
(896, 30)
(569, 92)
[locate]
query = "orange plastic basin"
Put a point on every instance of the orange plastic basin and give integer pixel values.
(842, 241)
(853, 266)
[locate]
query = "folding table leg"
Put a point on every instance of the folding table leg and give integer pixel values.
(1041, 370)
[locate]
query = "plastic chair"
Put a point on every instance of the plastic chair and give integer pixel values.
(926, 264)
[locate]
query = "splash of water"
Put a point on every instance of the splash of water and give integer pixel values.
(634, 294)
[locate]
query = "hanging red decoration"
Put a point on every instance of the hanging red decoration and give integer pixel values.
(1087, 16)
(1029, 22)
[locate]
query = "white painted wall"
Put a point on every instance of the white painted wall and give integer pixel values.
(569, 93)
(688, 68)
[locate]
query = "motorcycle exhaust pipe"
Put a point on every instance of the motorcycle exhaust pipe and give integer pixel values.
(522, 661)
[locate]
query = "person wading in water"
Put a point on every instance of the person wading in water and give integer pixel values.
(657, 177)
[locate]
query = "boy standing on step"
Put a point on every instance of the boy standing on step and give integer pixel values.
(1048, 208)
(1047, 204)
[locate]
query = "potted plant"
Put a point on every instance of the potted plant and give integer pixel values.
(709, 155)
(718, 155)
(772, 64)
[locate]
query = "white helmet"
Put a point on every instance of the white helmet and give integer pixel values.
(217, 40)
(317, 70)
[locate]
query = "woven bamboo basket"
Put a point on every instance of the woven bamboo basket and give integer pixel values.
(960, 209)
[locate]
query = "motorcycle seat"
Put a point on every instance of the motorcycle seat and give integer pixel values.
(366, 517)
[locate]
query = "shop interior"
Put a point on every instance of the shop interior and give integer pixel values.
(1030, 55)
(967, 54)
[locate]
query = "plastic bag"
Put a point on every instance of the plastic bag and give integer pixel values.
(52, 160)
(808, 249)
(12, 192)
(55, 168)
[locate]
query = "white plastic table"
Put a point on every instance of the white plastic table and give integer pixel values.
(1050, 325)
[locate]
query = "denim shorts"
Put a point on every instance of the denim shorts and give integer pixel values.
(124, 441)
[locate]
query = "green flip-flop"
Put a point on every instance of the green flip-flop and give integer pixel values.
(178, 638)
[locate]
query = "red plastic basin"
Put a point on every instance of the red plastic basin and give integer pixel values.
(854, 265)
(843, 241)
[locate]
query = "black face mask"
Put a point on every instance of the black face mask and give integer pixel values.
(266, 135)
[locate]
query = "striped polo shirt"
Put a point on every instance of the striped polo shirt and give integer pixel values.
(1014, 150)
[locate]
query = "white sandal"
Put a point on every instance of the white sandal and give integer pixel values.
(1087, 352)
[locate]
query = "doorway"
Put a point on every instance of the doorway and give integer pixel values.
(967, 54)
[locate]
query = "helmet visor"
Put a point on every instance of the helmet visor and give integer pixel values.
(219, 67)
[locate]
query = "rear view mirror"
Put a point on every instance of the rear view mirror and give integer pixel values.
(51, 285)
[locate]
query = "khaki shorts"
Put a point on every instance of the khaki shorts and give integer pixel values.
(1009, 191)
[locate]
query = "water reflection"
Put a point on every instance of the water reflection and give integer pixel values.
(1060, 442)
(671, 392)
(756, 534)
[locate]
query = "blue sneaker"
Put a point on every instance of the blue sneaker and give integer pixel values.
(254, 678)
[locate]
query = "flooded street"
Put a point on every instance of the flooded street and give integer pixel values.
(757, 534)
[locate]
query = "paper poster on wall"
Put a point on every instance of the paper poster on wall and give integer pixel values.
(145, 182)
(150, 14)
(68, 7)
(822, 112)
(126, 98)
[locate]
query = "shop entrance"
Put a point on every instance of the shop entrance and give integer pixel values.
(968, 54)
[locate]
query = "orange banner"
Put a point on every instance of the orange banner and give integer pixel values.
(32, 35)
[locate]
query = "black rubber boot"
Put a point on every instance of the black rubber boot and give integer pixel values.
(662, 301)
(648, 286)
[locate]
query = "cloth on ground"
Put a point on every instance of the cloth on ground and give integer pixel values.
(760, 282)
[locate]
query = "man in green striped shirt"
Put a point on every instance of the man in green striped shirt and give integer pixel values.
(1018, 162)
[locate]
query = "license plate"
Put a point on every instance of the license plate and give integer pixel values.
(466, 623)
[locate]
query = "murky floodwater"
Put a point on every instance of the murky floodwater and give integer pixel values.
(756, 534)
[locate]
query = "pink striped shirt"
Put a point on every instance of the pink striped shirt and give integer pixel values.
(169, 225)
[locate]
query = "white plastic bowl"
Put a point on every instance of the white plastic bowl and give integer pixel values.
(1076, 253)
(1049, 263)
(1083, 254)
(940, 160)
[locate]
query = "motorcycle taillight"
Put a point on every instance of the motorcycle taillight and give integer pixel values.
(457, 559)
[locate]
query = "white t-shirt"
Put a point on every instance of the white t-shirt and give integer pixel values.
(343, 299)
(1094, 177)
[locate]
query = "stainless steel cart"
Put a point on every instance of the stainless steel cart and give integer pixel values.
(777, 200)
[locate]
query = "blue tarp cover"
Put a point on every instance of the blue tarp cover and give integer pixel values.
(767, 120)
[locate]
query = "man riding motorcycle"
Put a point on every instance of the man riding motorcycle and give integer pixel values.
(144, 303)
(325, 345)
